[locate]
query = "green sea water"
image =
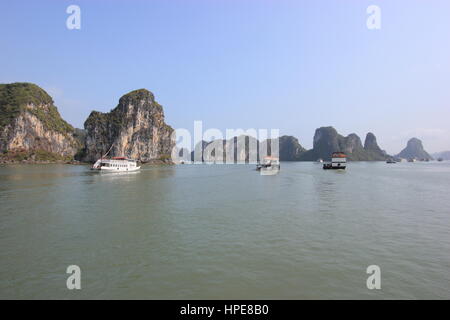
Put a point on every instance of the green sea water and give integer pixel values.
(226, 232)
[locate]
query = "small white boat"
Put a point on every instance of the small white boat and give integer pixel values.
(270, 166)
(320, 160)
(115, 164)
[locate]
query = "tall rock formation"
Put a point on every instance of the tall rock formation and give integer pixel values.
(327, 140)
(290, 149)
(414, 150)
(352, 146)
(372, 149)
(31, 127)
(135, 128)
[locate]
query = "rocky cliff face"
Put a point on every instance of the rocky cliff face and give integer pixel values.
(372, 149)
(352, 146)
(327, 140)
(371, 143)
(414, 150)
(135, 128)
(290, 149)
(31, 127)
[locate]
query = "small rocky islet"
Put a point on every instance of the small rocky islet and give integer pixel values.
(33, 131)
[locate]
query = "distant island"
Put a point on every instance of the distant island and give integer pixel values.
(444, 155)
(32, 130)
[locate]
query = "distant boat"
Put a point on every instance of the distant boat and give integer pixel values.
(320, 160)
(412, 160)
(115, 164)
(391, 161)
(338, 161)
(269, 166)
(440, 159)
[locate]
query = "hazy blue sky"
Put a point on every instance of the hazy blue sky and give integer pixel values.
(292, 65)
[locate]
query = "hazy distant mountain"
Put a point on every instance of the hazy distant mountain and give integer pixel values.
(327, 140)
(414, 150)
(372, 149)
(197, 153)
(444, 155)
(227, 150)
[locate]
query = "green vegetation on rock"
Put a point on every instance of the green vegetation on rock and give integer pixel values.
(32, 156)
(14, 99)
(134, 128)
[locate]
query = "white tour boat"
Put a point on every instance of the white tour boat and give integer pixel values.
(115, 164)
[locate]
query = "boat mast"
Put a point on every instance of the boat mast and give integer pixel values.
(107, 152)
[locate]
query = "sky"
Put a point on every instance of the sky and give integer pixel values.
(264, 64)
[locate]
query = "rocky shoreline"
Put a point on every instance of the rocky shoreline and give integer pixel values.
(76, 162)
(30, 161)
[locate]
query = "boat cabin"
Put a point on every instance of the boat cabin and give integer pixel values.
(338, 161)
(115, 164)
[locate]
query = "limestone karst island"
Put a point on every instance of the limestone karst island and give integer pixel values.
(218, 157)
(32, 131)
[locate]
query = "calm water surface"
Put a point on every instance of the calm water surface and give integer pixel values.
(225, 232)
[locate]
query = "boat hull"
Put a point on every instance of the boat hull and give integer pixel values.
(328, 166)
(269, 172)
(103, 169)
